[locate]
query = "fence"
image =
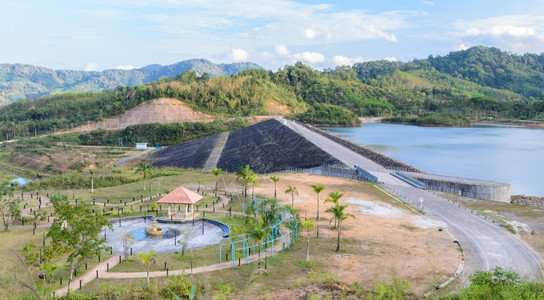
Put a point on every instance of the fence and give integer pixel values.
(244, 244)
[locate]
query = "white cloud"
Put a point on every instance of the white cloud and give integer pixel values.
(239, 55)
(260, 24)
(309, 34)
(431, 3)
(340, 60)
(463, 47)
(391, 58)
(92, 66)
(311, 57)
(518, 33)
(127, 67)
(281, 49)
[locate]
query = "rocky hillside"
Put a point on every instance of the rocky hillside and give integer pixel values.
(268, 146)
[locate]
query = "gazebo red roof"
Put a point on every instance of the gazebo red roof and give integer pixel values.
(181, 195)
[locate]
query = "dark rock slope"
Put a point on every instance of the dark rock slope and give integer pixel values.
(267, 146)
(270, 146)
(189, 155)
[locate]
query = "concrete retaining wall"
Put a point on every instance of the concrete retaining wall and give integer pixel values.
(495, 192)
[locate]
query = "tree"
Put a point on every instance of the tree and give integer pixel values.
(293, 191)
(340, 215)
(317, 189)
(241, 176)
(217, 172)
(183, 241)
(335, 199)
(275, 179)
(309, 225)
(145, 169)
(257, 233)
(147, 259)
(253, 180)
(10, 209)
(75, 233)
(127, 241)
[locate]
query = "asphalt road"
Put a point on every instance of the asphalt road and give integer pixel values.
(484, 243)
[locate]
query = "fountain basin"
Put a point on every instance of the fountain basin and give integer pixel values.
(172, 232)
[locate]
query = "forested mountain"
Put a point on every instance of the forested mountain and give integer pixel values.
(18, 81)
(378, 88)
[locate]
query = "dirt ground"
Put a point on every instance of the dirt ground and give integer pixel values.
(386, 240)
(161, 110)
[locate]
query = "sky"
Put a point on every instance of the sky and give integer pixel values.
(123, 34)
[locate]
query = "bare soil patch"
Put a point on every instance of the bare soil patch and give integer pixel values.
(383, 242)
(161, 110)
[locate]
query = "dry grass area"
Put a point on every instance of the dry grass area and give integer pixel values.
(384, 241)
(62, 159)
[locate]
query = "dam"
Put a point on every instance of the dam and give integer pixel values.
(279, 144)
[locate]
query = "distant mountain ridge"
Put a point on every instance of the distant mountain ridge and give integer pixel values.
(20, 81)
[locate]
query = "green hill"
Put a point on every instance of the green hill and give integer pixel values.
(18, 81)
(378, 88)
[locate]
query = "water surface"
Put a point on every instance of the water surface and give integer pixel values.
(512, 155)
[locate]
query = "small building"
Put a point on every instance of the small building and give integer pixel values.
(180, 196)
(141, 146)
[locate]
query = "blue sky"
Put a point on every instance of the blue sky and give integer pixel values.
(107, 34)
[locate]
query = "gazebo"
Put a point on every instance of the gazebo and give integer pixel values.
(179, 196)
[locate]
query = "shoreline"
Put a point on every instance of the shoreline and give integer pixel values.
(520, 123)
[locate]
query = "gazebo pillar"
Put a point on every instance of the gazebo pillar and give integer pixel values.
(186, 209)
(192, 209)
(169, 210)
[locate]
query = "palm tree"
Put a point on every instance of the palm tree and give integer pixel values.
(252, 178)
(217, 172)
(275, 179)
(293, 191)
(258, 232)
(335, 199)
(147, 259)
(317, 189)
(241, 175)
(145, 169)
(338, 214)
(309, 225)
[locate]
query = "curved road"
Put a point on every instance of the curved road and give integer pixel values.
(485, 244)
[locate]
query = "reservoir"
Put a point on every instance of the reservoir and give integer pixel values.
(513, 155)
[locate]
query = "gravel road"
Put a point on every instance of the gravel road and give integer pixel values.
(485, 244)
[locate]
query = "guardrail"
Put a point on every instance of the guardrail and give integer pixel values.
(366, 175)
(412, 181)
